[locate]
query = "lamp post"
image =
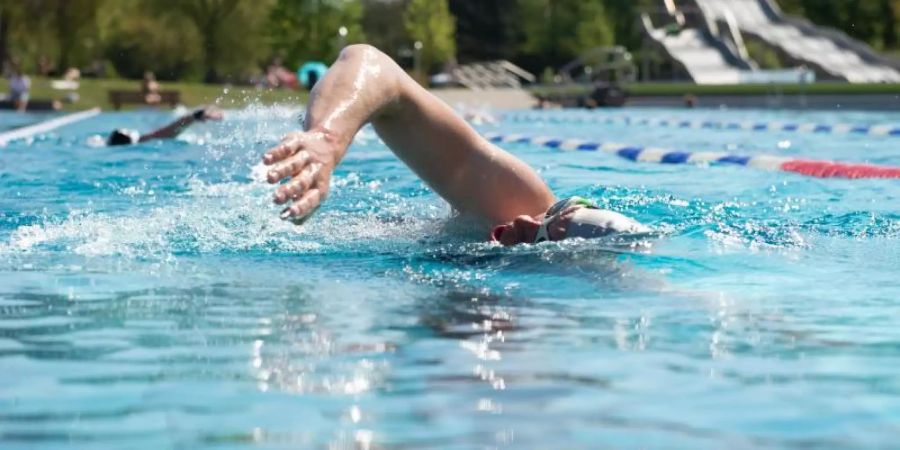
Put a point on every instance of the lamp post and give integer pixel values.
(342, 37)
(417, 57)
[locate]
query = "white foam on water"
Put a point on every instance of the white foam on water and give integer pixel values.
(222, 217)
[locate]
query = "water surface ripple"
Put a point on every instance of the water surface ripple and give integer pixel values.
(150, 298)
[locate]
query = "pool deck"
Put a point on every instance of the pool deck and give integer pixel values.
(495, 98)
(828, 102)
(522, 99)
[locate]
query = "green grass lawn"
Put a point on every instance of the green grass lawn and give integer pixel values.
(93, 92)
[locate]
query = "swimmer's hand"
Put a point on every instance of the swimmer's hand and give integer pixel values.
(208, 113)
(308, 158)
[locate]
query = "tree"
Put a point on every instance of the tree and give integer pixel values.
(379, 22)
(558, 31)
(8, 11)
(65, 30)
(486, 29)
(431, 23)
(229, 31)
(624, 17)
(592, 29)
(75, 23)
(867, 20)
(144, 42)
(304, 30)
(890, 11)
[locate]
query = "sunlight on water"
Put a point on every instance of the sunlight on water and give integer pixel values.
(150, 297)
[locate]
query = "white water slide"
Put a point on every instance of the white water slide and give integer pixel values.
(705, 63)
(830, 51)
(699, 47)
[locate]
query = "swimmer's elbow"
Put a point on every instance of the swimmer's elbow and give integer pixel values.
(353, 51)
(373, 61)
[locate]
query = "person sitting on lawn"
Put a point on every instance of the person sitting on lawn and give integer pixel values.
(150, 89)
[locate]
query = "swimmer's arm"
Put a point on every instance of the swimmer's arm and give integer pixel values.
(169, 131)
(182, 123)
(364, 85)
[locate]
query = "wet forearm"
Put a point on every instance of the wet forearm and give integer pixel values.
(473, 175)
(171, 130)
(362, 84)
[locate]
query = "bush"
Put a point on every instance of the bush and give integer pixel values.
(143, 43)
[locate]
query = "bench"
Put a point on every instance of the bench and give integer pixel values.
(119, 98)
(34, 105)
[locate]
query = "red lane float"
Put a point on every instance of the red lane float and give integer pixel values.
(828, 169)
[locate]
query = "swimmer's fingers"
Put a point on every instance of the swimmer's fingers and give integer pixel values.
(289, 145)
(298, 185)
(289, 167)
(303, 207)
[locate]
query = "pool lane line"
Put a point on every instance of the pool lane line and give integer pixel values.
(812, 168)
(698, 124)
(46, 126)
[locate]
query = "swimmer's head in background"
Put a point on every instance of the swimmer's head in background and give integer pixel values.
(588, 222)
(122, 136)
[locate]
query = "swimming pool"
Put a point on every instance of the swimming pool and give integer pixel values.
(151, 298)
(11, 119)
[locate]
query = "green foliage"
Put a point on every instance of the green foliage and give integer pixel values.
(623, 17)
(63, 31)
(95, 92)
(593, 28)
(131, 53)
(430, 22)
(872, 21)
(764, 55)
(305, 30)
(486, 30)
(379, 22)
(560, 30)
(229, 31)
(75, 24)
(234, 39)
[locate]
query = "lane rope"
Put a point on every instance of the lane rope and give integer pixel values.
(705, 124)
(46, 126)
(813, 168)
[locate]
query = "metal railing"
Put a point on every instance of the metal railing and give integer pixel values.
(492, 74)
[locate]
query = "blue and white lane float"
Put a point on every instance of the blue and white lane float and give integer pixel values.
(814, 168)
(46, 126)
(705, 124)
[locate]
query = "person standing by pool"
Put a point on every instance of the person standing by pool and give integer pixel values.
(476, 177)
(19, 87)
(123, 136)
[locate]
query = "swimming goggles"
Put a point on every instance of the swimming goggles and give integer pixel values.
(543, 233)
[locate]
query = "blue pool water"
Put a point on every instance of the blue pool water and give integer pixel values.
(150, 298)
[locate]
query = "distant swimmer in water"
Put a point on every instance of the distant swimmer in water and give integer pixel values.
(122, 136)
(476, 177)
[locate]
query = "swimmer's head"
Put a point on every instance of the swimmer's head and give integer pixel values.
(123, 136)
(569, 218)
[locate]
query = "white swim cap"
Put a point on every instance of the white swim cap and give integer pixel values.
(589, 222)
